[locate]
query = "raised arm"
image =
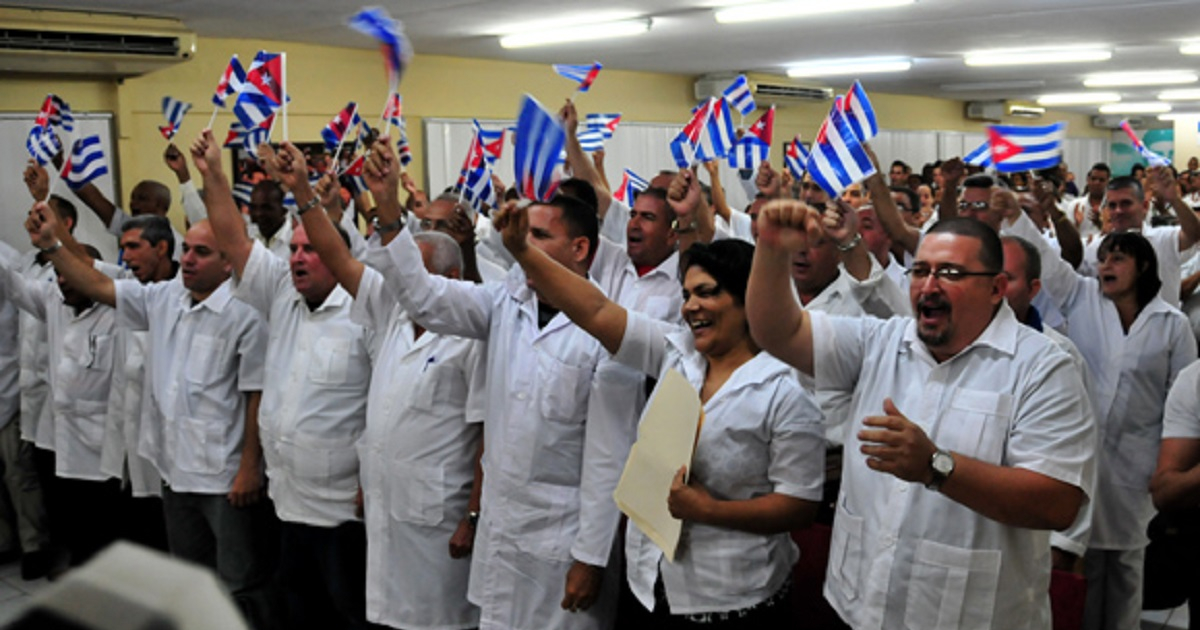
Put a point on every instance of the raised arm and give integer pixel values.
(693, 216)
(1069, 244)
(1164, 185)
(900, 232)
(193, 205)
(223, 215)
(720, 204)
(953, 172)
(583, 302)
(43, 228)
(841, 225)
(777, 322)
(579, 162)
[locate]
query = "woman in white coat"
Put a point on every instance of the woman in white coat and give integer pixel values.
(758, 468)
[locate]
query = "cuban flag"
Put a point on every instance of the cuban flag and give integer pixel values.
(764, 127)
(393, 113)
(631, 184)
(55, 113)
(584, 75)
(1015, 148)
(403, 151)
(718, 138)
(1152, 158)
(838, 158)
(540, 140)
(241, 193)
(606, 124)
(858, 112)
(174, 111)
(43, 144)
(475, 176)
(85, 163)
(230, 83)
(748, 153)
(795, 157)
(397, 52)
(335, 132)
(981, 156)
(591, 140)
(686, 144)
(262, 92)
(739, 95)
(248, 139)
(491, 143)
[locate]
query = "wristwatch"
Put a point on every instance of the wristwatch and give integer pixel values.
(53, 248)
(388, 228)
(942, 465)
(681, 228)
(472, 518)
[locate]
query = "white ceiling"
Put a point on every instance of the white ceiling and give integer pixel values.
(685, 39)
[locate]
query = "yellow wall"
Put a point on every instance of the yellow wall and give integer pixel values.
(322, 79)
(1187, 141)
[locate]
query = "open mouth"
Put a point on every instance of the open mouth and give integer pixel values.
(700, 324)
(932, 311)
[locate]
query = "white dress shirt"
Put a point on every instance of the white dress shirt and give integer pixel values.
(81, 348)
(424, 424)
(314, 402)
(905, 556)
(1181, 417)
(204, 357)
(10, 346)
(279, 243)
(739, 226)
(540, 453)
(36, 420)
(615, 222)
(762, 434)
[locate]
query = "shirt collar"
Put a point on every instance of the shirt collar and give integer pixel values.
(215, 302)
(337, 298)
(1000, 334)
(668, 267)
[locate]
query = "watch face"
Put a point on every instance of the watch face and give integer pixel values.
(943, 463)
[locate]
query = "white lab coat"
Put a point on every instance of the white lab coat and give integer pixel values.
(548, 472)
(424, 425)
(35, 362)
(1165, 240)
(10, 347)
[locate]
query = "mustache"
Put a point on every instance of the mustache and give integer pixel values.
(932, 301)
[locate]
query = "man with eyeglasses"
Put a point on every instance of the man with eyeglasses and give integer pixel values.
(972, 439)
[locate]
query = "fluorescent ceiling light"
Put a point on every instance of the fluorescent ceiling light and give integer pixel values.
(1079, 98)
(1179, 95)
(1190, 48)
(574, 34)
(841, 67)
(1120, 79)
(993, 85)
(1029, 56)
(1152, 107)
(1178, 116)
(798, 8)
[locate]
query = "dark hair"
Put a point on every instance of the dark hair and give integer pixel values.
(914, 200)
(155, 229)
(65, 210)
(980, 180)
(1136, 168)
(1127, 182)
(1033, 258)
(1101, 166)
(657, 192)
(901, 164)
(991, 252)
(1136, 245)
(581, 190)
(727, 261)
(273, 188)
(580, 219)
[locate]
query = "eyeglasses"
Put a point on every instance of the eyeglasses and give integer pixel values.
(949, 273)
(974, 205)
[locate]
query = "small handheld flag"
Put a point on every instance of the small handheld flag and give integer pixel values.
(1016, 148)
(43, 144)
(606, 124)
(230, 83)
(403, 151)
(1152, 158)
(686, 144)
(85, 163)
(764, 127)
(981, 156)
(540, 140)
(262, 91)
(393, 113)
(55, 113)
(739, 95)
(838, 158)
(859, 113)
(718, 138)
(795, 158)
(491, 143)
(334, 133)
(397, 52)
(631, 184)
(174, 111)
(748, 153)
(584, 75)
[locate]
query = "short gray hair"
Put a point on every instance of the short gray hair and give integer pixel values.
(445, 254)
(155, 229)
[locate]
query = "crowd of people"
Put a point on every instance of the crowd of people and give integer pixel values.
(382, 409)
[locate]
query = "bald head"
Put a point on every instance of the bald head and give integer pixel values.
(150, 197)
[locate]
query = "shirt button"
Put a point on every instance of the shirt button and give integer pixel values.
(520, 395)
(904, 488)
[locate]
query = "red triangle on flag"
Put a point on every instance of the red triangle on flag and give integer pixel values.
(764, 127)
(1002, 148)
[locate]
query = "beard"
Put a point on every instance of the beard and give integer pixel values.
(934, 337)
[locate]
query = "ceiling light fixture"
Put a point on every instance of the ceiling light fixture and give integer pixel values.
(985, 86)
(841, 67)
(1029, 56)
(1178, 116)
(1151, 107)
(1190, 48)
(1122, 79)
(1079, 98)
(798, 8)
(572, 34)
(1179, 95)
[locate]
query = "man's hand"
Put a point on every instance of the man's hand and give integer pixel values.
(512, 221)
(894, 445)
(206, 154)
(381, 172)
(41, 224)
(463, 540)
(953, 172)
(1163, 183)
(583, 585)
(714, 170)
(1006, 202)
(1065, 561)
(37, 180)
(684, 196)
(175, 161)
(570, 118)
(286, 166)
(598, 159)
(330, 192)
(789, 224)
(841, 222)
(688, 501)
(768, 181)
(247, 485)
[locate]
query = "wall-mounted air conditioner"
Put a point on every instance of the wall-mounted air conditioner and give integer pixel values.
(766, 93)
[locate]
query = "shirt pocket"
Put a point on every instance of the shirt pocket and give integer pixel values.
(333, 362)
(325, 469)
(438, 387)
(976, 425)
(204, 359)
(199, 447)
(417, 493)
(1132, 458)
(558, 458)
(944, 580)
(846, 551)
(99, 356)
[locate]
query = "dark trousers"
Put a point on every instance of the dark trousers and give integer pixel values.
(323, 573)
(142, 521)
(90, 511)
(778, 614)
(241, 544)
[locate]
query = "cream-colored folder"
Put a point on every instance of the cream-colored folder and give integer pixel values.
(666, 441)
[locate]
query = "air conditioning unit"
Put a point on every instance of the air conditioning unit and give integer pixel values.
(1021, 110)
(1113, 121)
(94, 44)
(986, 110)
(766, 93)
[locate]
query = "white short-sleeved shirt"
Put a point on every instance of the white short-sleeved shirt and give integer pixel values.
(205, 357)
(417, 464)
(762, 434)
(35, 361)
(739, 226)
(314, 402)
(115, 227)
(279, 243)
(1181, 418)
(904, 555)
